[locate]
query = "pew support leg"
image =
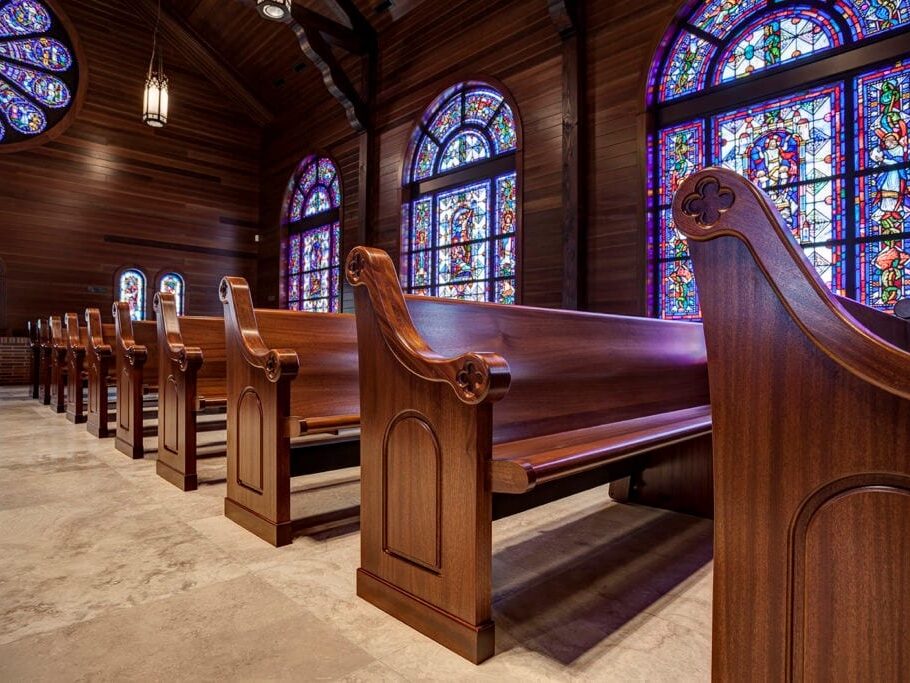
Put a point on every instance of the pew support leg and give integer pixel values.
(130, 419)
(177, 426)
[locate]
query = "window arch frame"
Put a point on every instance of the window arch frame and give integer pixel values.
(836, 66)
(442, 181)
(182, 301)
(324, 219)
(123, 270)
(81, 77)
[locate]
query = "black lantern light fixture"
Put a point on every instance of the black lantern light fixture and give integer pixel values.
(155, 102)
(274, 10)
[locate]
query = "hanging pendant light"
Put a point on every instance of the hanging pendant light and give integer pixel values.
(275, 10)
(155, 102)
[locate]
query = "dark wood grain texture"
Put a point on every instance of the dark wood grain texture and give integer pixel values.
(34, 370)
(811, 402)
(289, 374)
(136, 352)
(76, 376)
(57, 343)
(46, 340)
(101, 367)
(552, 394)
(192, 377)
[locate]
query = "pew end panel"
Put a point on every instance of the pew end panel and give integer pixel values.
(191, 376)
(290, 374)
(136, 351)
(435, 410)
(101, 369)
(34, 344)
(426, 419)
(58, 365)
(811, 398)
(46, 368)
(76, 372)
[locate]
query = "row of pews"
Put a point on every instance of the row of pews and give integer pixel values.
(786, 417)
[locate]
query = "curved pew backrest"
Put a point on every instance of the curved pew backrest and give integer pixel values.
(58, 364)
(44, 339)
(571, 370)
(76, 347)
(811, 406)
(902, 309)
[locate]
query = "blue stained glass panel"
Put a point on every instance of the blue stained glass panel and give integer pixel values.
(883, 116)
(504, 131)
(682, 153)
(21, 114)
(480, 105)
(48, 53)
(318, 201)
(422, 224)
(505, 291)
(672, 243)
(172, 283)
(447, 120)
(465, 148)
(43, 88)
(870, 17)
(22, 17)
(779, 37)
(506, 203)
(884, 272)
(679, 298)
(132, 291)
(883, 203)
(463, 215)
(718, 17)
(687, 67)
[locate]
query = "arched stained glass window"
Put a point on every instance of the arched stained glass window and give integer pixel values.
(173, 283)
(832, 156)
(460, 214)
(131, 288)
(38, 70)
(314, 237)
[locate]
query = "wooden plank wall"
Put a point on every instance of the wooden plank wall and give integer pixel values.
(515, 42)
(194, 182)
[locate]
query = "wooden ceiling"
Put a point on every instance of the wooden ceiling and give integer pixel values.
(264, 57)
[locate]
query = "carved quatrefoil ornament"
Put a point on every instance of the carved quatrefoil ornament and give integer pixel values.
(708, 202)
(356, 265)
(471, 379)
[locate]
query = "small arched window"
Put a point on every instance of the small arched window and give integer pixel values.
(809, 100)
(173, 283)
(314, 237)
(460, 214)
(131, 289)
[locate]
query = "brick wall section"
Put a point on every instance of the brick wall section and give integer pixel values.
(14, 360)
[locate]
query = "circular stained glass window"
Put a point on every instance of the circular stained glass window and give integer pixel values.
(38, 70)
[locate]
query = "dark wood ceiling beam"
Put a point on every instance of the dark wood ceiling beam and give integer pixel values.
(334, 33)
(319, 52)
(194, 48)
(359, 22)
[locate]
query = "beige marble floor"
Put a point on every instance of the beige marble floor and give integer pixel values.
(107, 572)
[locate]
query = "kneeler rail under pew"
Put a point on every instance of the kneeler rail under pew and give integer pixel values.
(293, 408)
(76, 375)
(811, 398)
(573, 393)
(192, 379)
(101, 368)
(136, 353)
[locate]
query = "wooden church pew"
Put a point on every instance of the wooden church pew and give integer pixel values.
(101, 366)
(34, 370)
(192, 378)
(811, 399)
(136, 352)
(57, 344)
(292, 385)
(45, 339)
(76, 376)
(463, 400)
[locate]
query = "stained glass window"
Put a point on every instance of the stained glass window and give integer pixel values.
(459, 235)
(172, 283)
(131, 286)
(314, 238)
(833, 158)
(38, 73)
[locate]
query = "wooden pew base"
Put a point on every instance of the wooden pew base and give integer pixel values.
(474, 643)
(277, 534)
(184, 482)
(102, 430)
(134, 450)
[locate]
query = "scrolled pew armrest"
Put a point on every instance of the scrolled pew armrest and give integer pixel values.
(475, 377)
(717, 202)
(135, 354)
(240, 325)
(93, 322)
(189, 358)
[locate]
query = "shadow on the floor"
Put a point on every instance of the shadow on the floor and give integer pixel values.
(580, 591)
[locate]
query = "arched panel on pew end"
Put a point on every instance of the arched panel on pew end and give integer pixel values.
(864, 573)
(808, 392)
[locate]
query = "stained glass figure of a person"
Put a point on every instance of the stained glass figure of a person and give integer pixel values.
(891, 262)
